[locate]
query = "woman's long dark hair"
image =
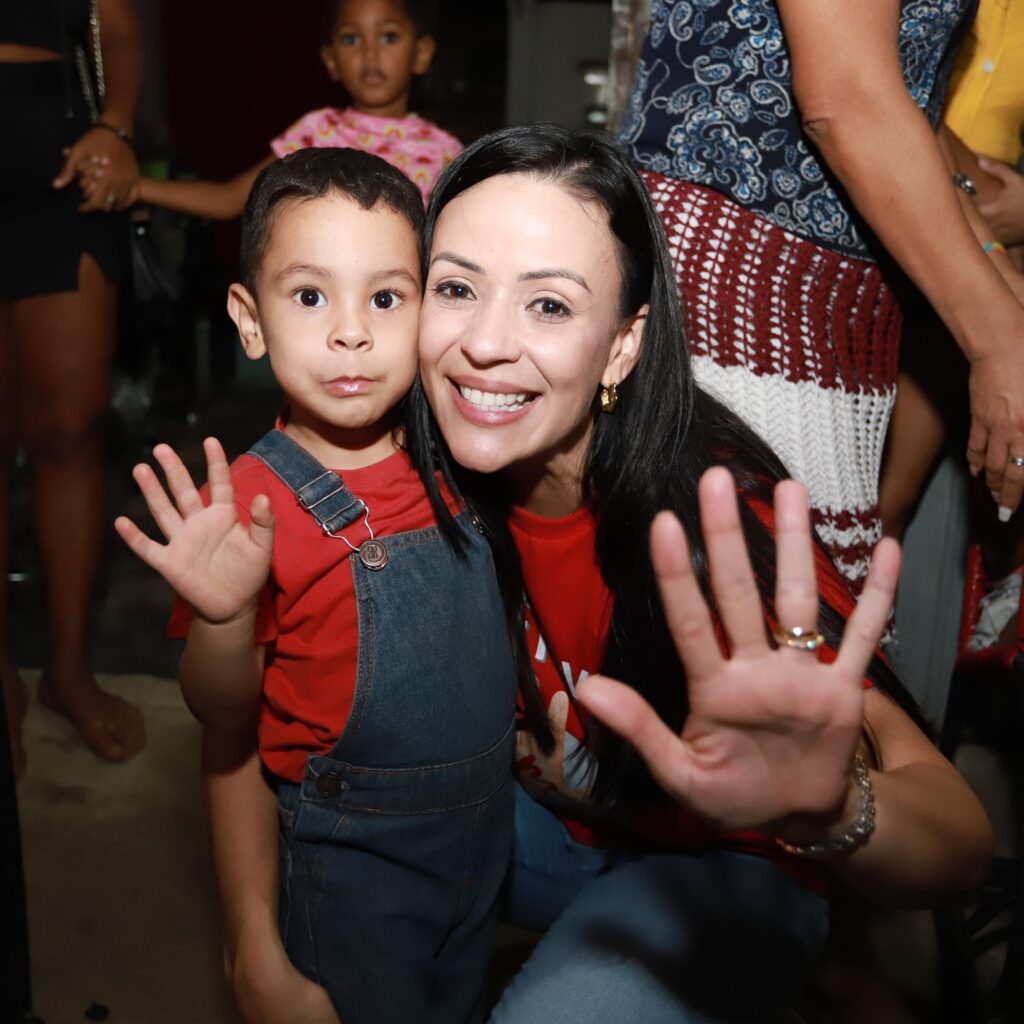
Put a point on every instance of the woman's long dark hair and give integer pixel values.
(647, 456)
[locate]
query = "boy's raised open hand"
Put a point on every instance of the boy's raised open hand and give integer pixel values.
(211, 559)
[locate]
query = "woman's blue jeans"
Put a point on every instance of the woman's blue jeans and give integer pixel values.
(653, 938)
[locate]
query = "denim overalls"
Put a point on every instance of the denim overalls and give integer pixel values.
(394, 846)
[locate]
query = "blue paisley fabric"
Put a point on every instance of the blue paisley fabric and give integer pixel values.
(712, 103)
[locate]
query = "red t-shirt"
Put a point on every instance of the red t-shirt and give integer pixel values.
(568, 596)
(307, 611)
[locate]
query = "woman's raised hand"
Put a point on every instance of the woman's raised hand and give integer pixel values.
(211, 559)
(771, 730)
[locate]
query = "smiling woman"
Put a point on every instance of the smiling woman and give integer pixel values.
(554, 359)
(523, 326)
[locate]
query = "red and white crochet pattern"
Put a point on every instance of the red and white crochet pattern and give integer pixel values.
(800, 341)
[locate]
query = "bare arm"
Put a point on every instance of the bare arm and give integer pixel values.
(849, 86)
(960, 159)
(221, 671)
(122, 62)
(770, 732)
(243, 828)
(100, 150)
(932, 839)
(1004, 209)
(966, 161)
(218, 200)
(219, 566)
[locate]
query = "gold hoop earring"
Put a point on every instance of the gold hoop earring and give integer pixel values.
(609, 397)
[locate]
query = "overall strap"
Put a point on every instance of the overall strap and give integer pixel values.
(321, 492)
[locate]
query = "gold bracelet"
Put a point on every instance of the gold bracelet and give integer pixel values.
(856, 835)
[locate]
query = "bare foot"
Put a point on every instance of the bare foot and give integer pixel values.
(111, 728)
(15, 704)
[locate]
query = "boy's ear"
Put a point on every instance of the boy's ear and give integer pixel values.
(625, 349)
(423, 54)
(243, 310)
(330, 66)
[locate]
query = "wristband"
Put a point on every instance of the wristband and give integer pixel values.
(856, 835)
(964, 182)
(993, 247)
(126, 137)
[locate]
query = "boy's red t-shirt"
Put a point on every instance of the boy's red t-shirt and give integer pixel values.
(307, 615)
(567, 595)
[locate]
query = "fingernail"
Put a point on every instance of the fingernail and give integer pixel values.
(1004, 514)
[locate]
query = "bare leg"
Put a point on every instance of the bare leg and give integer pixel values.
(14, 692)
(65, 344)
(917, 433)
(930, 412)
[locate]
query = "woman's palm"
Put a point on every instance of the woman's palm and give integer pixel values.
(771, 730)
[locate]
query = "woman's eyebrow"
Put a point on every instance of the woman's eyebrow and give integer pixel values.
(459, 261)
(530, 275)
(569, 275)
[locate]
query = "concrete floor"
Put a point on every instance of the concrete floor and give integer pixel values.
(121, 900)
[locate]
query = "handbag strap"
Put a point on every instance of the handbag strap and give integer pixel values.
(97, 49)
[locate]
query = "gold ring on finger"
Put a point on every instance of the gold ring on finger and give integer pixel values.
(799, 639)
(110, 198)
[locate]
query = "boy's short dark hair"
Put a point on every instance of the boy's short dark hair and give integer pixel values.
(422, 13)
(362, 177)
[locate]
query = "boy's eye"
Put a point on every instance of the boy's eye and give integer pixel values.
(551, 309)
(390, 37)
(453, 290)
(311, 298)
(385, 300)
(348, 39)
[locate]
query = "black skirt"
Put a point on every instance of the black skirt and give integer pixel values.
(42, 234)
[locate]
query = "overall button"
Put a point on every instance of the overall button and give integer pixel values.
(330, 784)
(373, 554)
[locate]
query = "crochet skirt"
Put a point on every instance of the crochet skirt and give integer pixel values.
(798, 340)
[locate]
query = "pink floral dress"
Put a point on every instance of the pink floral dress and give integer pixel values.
(417, 147)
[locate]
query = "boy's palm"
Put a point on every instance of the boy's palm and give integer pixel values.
(211, 559)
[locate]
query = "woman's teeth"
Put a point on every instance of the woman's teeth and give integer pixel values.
(494, 399)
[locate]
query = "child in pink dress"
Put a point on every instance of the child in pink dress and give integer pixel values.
(373, 49)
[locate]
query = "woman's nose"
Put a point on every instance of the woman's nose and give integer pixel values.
(490, 336)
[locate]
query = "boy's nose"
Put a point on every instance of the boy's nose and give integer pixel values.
(353, 336)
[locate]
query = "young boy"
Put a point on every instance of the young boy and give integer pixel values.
(327, 602)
